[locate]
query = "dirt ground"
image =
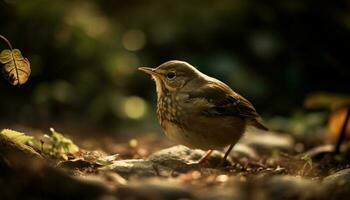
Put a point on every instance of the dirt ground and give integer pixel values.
(262, 166)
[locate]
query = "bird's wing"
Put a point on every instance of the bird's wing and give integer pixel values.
(221, 100)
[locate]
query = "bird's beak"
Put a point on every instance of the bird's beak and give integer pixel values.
(148, 70)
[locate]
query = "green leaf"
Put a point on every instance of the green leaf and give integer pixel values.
(21, 140)
(17, 137)
(16, 67)
(57, 146)
(307, 160)
(62, 145)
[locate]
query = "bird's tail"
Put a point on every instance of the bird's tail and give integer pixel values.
(259, 125)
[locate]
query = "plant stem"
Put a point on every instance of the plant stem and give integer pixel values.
(6, 40)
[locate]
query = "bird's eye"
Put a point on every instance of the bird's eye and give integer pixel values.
(171, 75)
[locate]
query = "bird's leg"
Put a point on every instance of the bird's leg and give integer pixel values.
(226, 154)
(203, 159)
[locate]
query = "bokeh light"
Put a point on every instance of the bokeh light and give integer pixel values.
(134, 40)
(134, 107)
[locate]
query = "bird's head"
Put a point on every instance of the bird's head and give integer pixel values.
(172, 75)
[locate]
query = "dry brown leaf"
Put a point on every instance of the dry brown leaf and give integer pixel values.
(16, 67)
(335, 124)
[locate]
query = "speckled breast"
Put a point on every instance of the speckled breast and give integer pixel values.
(168, 110)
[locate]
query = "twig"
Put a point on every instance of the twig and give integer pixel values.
(6, 40)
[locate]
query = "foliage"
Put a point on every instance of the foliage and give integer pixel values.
(17, 137)
(59, 146)
(56, 146)
(308, 163)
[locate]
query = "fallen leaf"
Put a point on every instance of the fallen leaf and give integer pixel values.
(326, 100)
(335, 124)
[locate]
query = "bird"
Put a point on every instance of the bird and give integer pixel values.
(199, 111)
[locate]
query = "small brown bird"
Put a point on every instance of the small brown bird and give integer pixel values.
(199, 111)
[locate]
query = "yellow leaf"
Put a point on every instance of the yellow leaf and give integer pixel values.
(5, 56)
(17, 68)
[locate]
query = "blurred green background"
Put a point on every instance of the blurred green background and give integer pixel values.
(84, 55)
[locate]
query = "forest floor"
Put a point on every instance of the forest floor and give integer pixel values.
(262, 166)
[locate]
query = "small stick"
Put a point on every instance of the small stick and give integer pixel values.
(205, 157)
(342, 132)
(6, 40)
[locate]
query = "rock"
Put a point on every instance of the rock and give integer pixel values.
(243, 150)
(154, 190)
(338, 184)
(133, 167)
(179, 158)
(287, 187)
(165, 163)
(266, 143)
(176, 157)
(341, 177)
